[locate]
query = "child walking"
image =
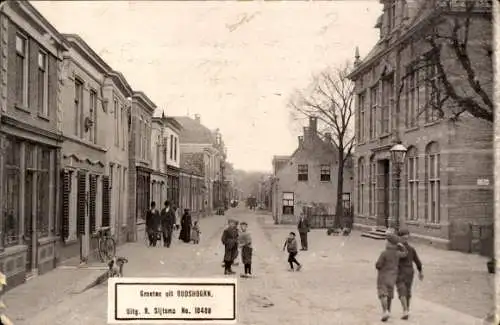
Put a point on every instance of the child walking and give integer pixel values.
(195, 233)
(291, 246)
(246, 249)
(406, 272)
(230, 241)
(387, 268)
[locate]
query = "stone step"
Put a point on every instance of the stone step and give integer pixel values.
(373, 235)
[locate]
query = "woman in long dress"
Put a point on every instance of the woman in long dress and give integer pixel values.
(185, 233)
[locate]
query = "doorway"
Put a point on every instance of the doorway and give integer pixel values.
(30, 201)
(383, 188)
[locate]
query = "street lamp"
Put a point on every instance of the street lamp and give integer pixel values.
(398, 154)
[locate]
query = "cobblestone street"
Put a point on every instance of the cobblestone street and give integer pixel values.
(336, 285)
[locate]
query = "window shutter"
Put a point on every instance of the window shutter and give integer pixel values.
(105, 201)
(80, 222)
(92, 202)
(66, 191)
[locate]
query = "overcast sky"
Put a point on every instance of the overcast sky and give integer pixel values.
(234, 63)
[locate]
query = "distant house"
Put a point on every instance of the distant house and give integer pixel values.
(197, 138)
(307, 178)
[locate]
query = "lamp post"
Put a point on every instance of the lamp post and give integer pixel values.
(398, 154)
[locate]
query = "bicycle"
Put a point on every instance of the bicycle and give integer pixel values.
(106, 245)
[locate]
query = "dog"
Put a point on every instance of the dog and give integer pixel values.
(115, 266)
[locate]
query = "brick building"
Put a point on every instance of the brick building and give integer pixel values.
(83, 159)
(173, 129)
(139, 194)
(30, 138)
(447, 179)
(306, 180)
(158, 160)
(192, 184)
(197, 138)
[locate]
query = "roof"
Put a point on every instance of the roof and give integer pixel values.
(173, 122)
(82, 47)
(193, 131)
(418, 12)
(120, 81)
(144, 100)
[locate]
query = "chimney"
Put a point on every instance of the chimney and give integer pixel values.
(301, 141)
(197, 117)
(313, 124)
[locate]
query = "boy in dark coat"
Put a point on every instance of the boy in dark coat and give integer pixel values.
(230, 241)
(245, 241)
(387, 266)
(291, 246)
(406, 272)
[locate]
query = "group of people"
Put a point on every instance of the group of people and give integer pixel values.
(233, 241)
(161, 224)
(395, 269)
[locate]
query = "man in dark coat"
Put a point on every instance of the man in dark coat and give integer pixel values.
(152, 224)
(303, 228)
(185, 233)
(230, 241)
(167, 223)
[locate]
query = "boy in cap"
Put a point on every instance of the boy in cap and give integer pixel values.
(246, 249)
(387, 267)
(406, 272)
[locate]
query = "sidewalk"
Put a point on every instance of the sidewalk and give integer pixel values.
(42, 294)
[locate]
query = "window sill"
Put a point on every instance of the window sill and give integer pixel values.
(412, 222)
(428, 124)
(85, 143)
(412, 129)
(43, 117)
(328, 181)
(432, 225)
(23, 109)
(384, 136)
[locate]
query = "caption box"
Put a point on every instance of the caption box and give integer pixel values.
(171, 300)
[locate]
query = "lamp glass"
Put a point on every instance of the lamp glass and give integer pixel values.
(398, 153)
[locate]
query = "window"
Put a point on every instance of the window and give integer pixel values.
(412, 184)
(361, 185)
(433, 184)
(43, 190)
(78, 107)
(43, 84)
(391, 15)
(139, 133)
(175, 149)
(10, 203)
(123, 125)
(373, 113)
(158, 153)
(21, 71)
(412, 99)
(361, 109)
(432, 94)
(303, 173)
(117, 122)
(325, 173)
(372, 187)
(171, 147)
(387, 91)
(93, 116)
(288, 203)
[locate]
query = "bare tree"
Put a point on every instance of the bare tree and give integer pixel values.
(456, 69)
(330, 98)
